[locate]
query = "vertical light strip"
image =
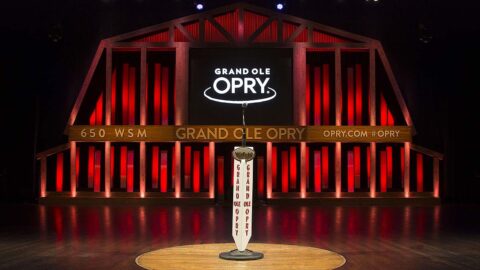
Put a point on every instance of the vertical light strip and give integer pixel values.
(77, 166)
(419, 172)
(221, 177)
(357, 165)
(43, 177)
(196, 171)
(274, 167)
(350, 98)
(436, 177)
(123, 166)
(187, 167)
(125, 93)
(178, 162)
(130, 170)
(383, 171)
(131, 95)
(108, 169)
(307, 96)
(373, 169)
(316, 96)
(73, 169)
(367, 160)
(143, 170)
(110, 85)
(338, 121)
(143, 88)
(97, 171)
(325, 165)
(389, 166)
(284, 170)
(163, 171)
(59, 173)
(165, 83)
(406, 175)
(326, 93)
(206, 168)
(155, 166)
(293, 167)
(113, 99)
(350, 172)
(143, 120)
(156, 94)
(358, 95)
(373, 119)
(402, 164)
(317, 171)
(260, 177)
(91, 165)
(303, 169)
(269, 170)
(211, 157)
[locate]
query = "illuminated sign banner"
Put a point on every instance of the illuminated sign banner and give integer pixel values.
(251, 88)
(223, 79)
(234, 133)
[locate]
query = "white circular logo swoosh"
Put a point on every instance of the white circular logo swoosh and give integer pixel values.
(247, 101)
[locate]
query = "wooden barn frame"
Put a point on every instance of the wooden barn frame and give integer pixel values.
(240, 25)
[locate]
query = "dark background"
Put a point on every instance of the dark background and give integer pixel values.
(47, 46)
(277, 111)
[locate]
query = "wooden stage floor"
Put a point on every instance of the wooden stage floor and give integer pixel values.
(111, 237)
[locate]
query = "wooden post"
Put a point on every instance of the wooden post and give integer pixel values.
(299, 71)
(142, 169)
(143, 86)
(181, 84)
(181, 92)
(211, 157)
(43, 177)
(178, 163)
(373, 169)
(269, 170)
(108, 177)
(373, 121)
(73, 169)
(338, 121)
(299, 81)
(108, 118)
(143, 116)
(108, 87)
(406, 174)
(303, 170)
(436, 177)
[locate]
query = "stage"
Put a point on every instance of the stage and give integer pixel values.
(111, 237)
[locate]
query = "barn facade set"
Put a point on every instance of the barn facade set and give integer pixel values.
(141, 78)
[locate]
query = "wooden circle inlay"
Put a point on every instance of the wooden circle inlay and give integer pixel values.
(205, 257)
